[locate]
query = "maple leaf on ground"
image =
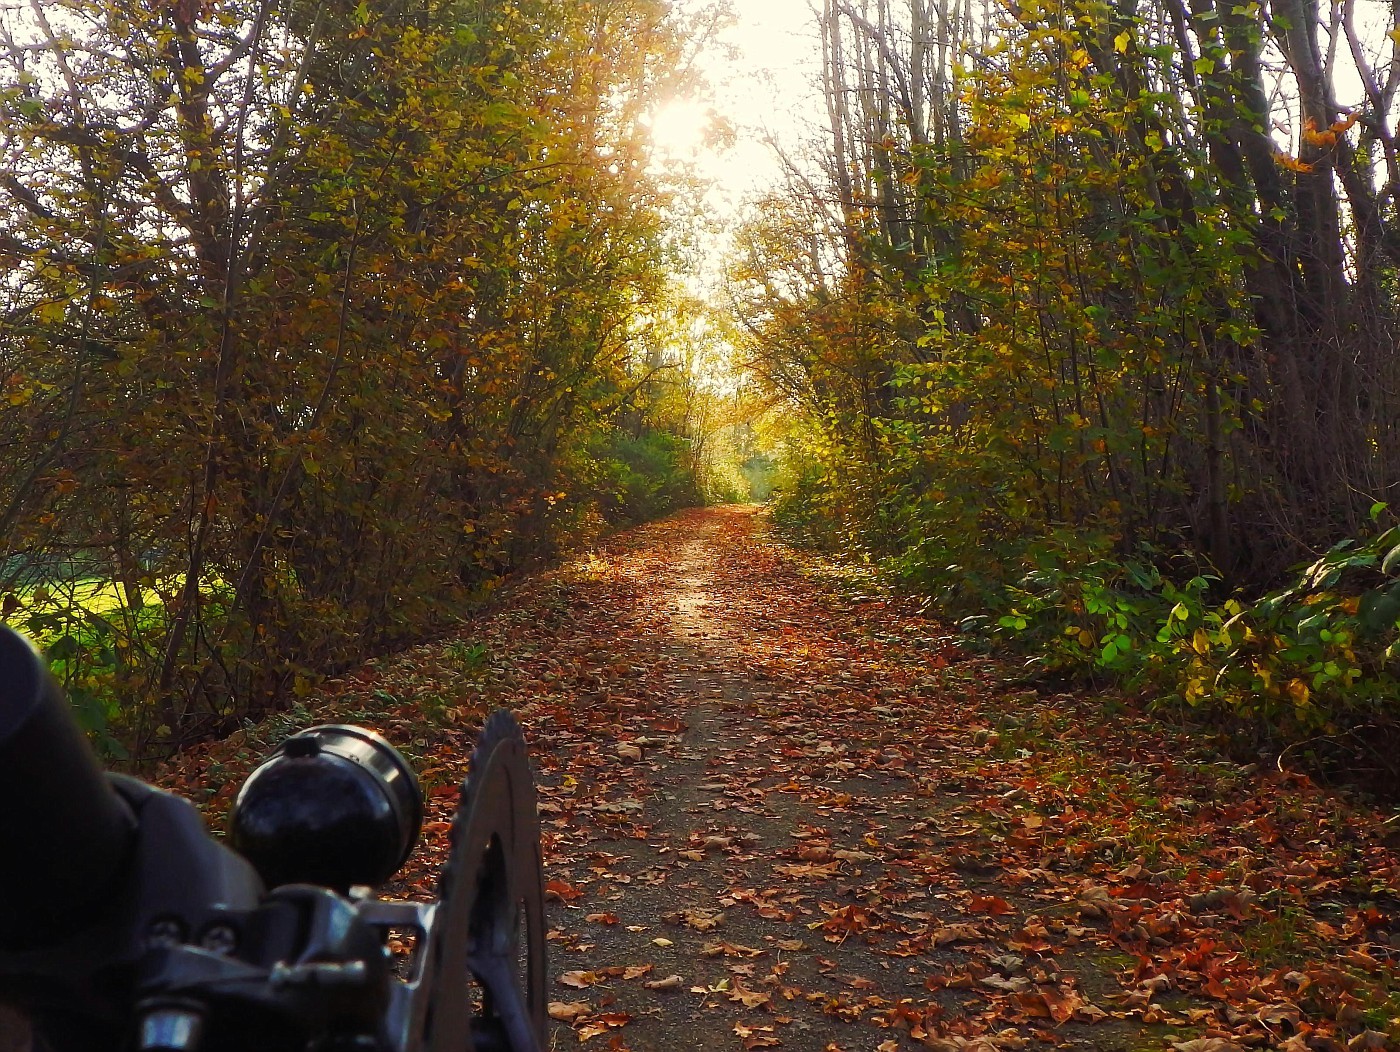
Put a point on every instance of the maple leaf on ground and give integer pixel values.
(561, 890)
(989, 905)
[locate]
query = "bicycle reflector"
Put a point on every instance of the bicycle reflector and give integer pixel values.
(335, 805)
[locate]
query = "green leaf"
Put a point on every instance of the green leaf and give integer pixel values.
(1391, 563)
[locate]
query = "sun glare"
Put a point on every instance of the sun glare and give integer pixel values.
(678, 129)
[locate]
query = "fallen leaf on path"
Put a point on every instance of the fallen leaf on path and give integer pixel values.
(748, 998)
(568, 1011)
(989, 905)
(756, 1036)
(602, 1024)
(580, 980)
(561, 890)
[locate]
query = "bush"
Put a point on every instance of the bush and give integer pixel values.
(641, 477)
(1317, 657)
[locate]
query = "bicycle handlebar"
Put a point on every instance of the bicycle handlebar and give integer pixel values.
(123, 923)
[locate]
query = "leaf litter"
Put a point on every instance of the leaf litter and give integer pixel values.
(784, 810)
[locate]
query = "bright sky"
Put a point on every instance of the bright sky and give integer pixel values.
(762, 72)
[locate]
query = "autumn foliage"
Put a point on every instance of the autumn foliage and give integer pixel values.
(1092, 321)
(319, 318)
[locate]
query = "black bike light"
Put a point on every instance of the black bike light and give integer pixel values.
(334, 805)
(66, 833)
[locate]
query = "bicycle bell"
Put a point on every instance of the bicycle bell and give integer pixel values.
(335, 805)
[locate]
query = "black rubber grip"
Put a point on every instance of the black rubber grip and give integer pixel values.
(64, 832)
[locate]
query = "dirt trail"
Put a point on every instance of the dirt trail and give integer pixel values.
(778, 813)
(843, 832)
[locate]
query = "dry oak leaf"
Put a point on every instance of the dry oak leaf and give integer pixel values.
(729, 949)
(602, 1024)
(1208, 1044)
(957, 933)
(580, 980)
(700, 920)
(1006, 1039)
(1050, 1002)
(854, 856)
(568, 1011)
(748, 998)
(671, 982)
(1369, 1041)
(809, 870)
(756, 1036)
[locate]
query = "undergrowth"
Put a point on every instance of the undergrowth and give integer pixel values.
(1309, 670)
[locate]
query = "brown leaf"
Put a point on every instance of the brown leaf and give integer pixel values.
(729, 949)
(957, 933)
(561, 890)
(748, 998)
(756, 1036)
(568, 1011)
(808, 872)
(580, 980)
(989, 905)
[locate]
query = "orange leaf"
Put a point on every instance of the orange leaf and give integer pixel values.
(561, 890)
(989, 905)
